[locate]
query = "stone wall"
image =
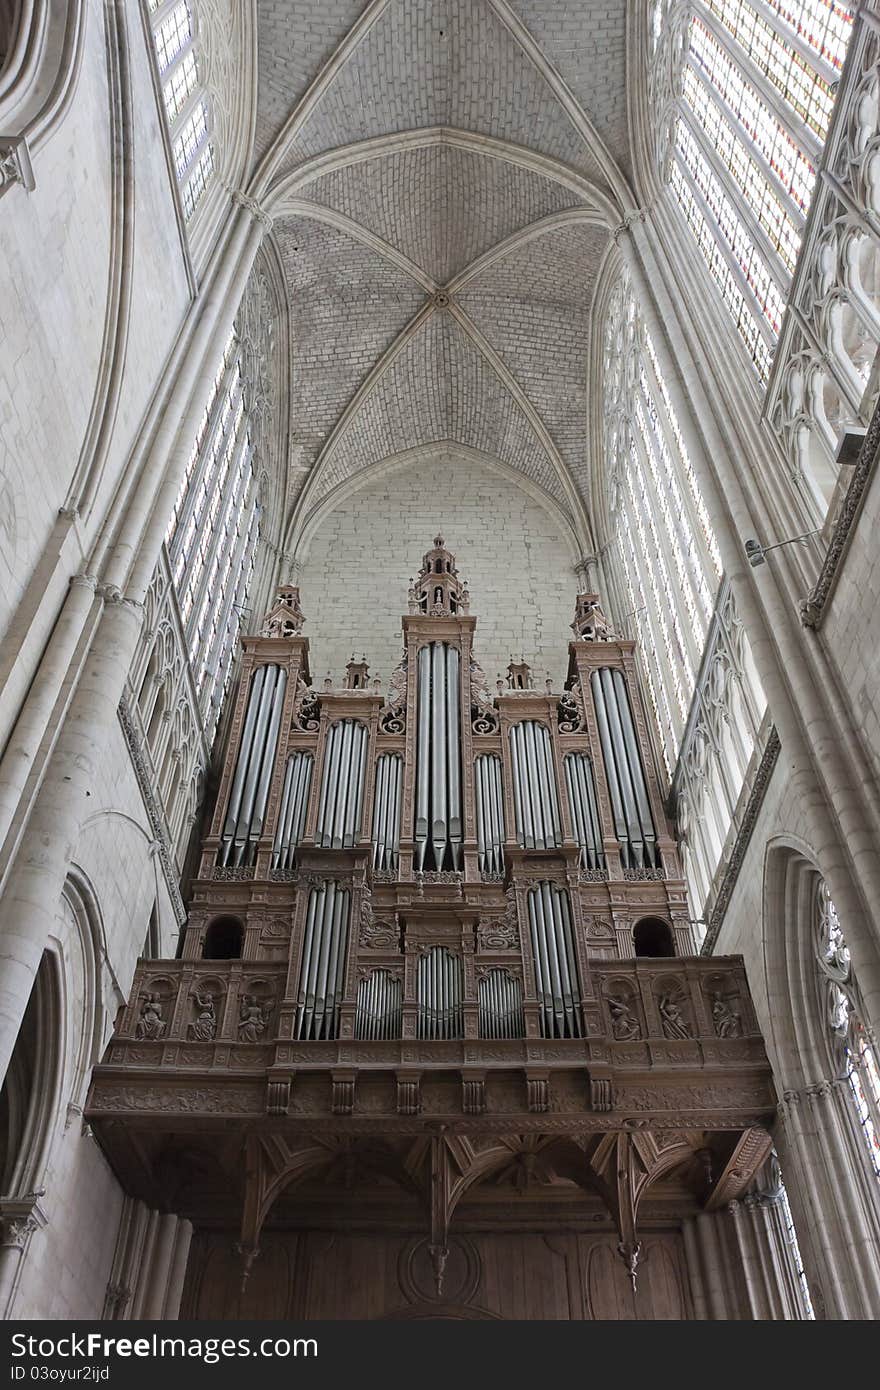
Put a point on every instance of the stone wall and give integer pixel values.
(508, 547)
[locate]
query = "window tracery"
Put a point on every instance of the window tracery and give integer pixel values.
(200, 589)
(212, 536)
(188, 108)
(664, 551)
(853, 1046)
(748, 113)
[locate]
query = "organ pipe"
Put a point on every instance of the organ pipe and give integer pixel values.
(439, 992)
(342, 786)
(535, 798)
(322, 972)
(386, 811)
(584, 810)
(630, 807)
(501, 1006)
(292, 811)
(490, 815)
(556, 975)
(379, 1011)
(255, 763)
(438, 818)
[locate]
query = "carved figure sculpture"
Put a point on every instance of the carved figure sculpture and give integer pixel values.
(151, 1025)
(672, 1018)
(624, 1024)
(725, 1018)
(204, 1027)
(253, 1018)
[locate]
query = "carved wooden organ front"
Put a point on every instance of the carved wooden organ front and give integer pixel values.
(443, 920)
(452, 858)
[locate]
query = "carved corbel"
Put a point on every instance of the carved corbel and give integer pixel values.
(256, 1179)
(621, 1179)
(741, 1169)
(440, 1209)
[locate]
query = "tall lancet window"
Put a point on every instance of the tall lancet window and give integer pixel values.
(212, 536)
(664, 552)
(853, 1046)
(749, 117)
(187, 105)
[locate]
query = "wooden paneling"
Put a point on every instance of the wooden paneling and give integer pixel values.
(520, 1276)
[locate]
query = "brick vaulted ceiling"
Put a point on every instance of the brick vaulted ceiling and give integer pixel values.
(443, 177)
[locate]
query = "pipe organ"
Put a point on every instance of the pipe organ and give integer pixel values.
(538, 823)
(254, 764)
(520, 825)
(633, 821)
(292, 812)
(439, 993)
(432, 893)
(322, 966)
(501, 1005)
(584, 810)
(342, 787)
(437, 831)
(386, 811)
(379, 1011)
(490, 815)
(554, 959)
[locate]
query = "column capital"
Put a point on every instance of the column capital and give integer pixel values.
(623, 227)
(258, 213)
(19, 1218)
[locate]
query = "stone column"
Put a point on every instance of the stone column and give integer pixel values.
(842, 1245)
(161, 1260)
(19, 1219)
(177, 1270)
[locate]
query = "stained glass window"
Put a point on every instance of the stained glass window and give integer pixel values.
(665, 551)
(794, 1249)
(756, 95)
(187, 108)
(212, 537)
(853, 1047)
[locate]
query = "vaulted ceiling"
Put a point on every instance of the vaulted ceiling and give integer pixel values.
(443, 177)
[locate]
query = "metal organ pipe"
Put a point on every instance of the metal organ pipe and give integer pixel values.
(556, 974)
(439, 992)
(254, 766)
(490, 815)
(379, 1011)
(322, 972)
(386, 811)
(584, 810)
(501, 1006)
(342, 785)
(633, 822)
(292, 811)
(637, 771)
(438, 819)
(536, 800)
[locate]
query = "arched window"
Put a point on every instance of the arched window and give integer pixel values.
(223, 939)
(213, 532)
(747, 125)
(653, 937)
(853, 1047)
(187, 105)
(664, 549)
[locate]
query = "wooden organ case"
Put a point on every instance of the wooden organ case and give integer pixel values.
(438, 1015)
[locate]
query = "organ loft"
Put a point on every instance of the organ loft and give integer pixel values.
(437, 1041)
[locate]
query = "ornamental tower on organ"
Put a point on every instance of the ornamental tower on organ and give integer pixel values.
(437, 984)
